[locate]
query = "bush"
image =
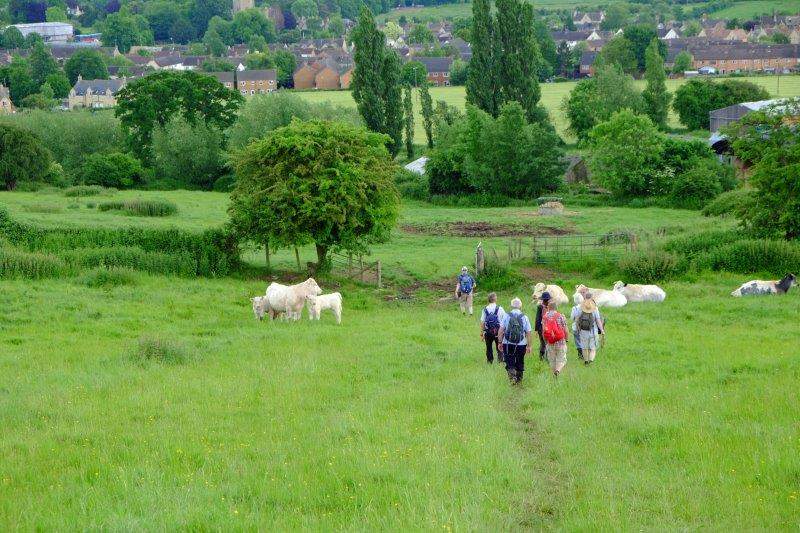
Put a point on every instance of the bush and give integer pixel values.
(131, 257)
(753, 255)
(142, 208)
(412, 185)
(187, 156)
(652, 266)
(16, 264)
(87, 190)
(475, 200)
(118, 170)
(108, 277)
(160, 350)
(696, 243)
(696, 187)
(729, 203)
(499, 276)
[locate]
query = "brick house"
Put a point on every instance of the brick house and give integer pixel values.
(327, 78)
(257, 81)
(225, 78)
(95, 94)
(747, 57)
(304, 77)
(438, 69)
(5, 101)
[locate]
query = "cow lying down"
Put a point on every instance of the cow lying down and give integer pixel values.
(758, 287)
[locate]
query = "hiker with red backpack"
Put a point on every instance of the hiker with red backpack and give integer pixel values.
(490, 328)
(554, 331)
(515, 331)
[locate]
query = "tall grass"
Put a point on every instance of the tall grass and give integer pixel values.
(140, 207)
(87, 190)
(753, 255)
(131, 257)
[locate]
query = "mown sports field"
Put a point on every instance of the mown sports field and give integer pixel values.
(392, 420)
(553, 95)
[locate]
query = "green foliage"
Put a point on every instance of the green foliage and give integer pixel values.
(214, 43)
(651, 266)
(412, 185)
(375, 82)
(286, 64)
(683, 62)
(420, 34)
(695, 243)
(547, 48)
(154, 100)
(118, 170)
(733, 202)
(123, 30)
(753, 255)
(154, 349)
(79, 191)
(89, 64)
(346, 177)
(263, 113)
(481, 87)
(108, 277)
(12, 38)
(42, 64)
(60, 85)
(186, 156)
(142, 208)
(426, 107)
(617, 17)
(413, 73)
(640, 37)
(408, 122)
(216, 64)
(697, 186)
(695, 99)
(626, 154)
(251, 23)
(15, 264)
(499, 276)
(458, 72)
(22, 157)
(619, 52)
(656, 97)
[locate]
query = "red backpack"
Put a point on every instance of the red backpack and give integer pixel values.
(551, 329)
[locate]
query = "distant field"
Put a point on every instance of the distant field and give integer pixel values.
(552, 96)
(755, 8)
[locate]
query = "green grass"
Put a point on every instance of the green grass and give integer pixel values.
(464, 10)
(131, 401)
(755, 8)
(552, 96)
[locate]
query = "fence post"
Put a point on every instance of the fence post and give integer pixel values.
(533, 252)
(380, 280)
(361, 267)
(266, 255)
(297, 257)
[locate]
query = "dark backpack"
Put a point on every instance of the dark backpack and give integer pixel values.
(465, 284)
(515, 331)
(492, 323)
(586, 321)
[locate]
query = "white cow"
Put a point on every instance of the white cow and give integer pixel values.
(758, 287)
(603, 297)
(557, 294)
(317, 304)
(640, 293)
(260, 305)
(290, 299)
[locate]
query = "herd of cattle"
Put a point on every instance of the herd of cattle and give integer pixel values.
(288, 300)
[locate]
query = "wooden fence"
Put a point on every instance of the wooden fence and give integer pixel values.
(355, 267)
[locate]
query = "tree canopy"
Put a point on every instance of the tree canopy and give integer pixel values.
(23, 158)
(695, 99)
(89, 64)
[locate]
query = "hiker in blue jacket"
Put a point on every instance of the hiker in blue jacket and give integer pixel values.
(491, 317)
(464, 290)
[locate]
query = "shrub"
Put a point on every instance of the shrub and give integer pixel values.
(143, 208)
(499, 276)
(753, 255)
(43, 208)
(131, 257)
(729, 203)
(412, 185)
(87, 190)
(652, 266)
(188, 156)
(160, 350)
(475, 200)
(116, 169)
(696, 187)
(29, 265)
(108, 277)
(696, 243)
(23, 157)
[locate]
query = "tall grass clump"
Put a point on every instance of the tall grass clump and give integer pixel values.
(16, 264)
(703, 241)
(108, 277)
(87, 190)
(729, 203)
(499, 276)
(131, 257)
(160, 350)
(652, 266)
(142, 208)
(753, 255)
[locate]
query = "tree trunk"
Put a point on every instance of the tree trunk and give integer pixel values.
(322, 257)
(266, 255)
(297, 257)
(11, 185)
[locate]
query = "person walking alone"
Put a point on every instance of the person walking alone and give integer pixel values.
(590, 327)
(464, 290)
(491, 316)
(554, 330)
(515, 331)
(540, 307)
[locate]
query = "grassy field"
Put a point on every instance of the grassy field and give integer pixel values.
(754, 8)
(392, 420)
(553, 95)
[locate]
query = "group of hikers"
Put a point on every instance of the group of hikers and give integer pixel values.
(510, 334)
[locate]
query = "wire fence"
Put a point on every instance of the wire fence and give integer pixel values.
(357, 268)
(555, 248)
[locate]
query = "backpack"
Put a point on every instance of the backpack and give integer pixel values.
(586, 321)
(515, 331)
(465, 284)
(551, 329)
(492, 324)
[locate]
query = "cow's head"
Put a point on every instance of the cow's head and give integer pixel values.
(618, 285)
(538, 289)
(788, 281)
(259, 306)
(312, 287)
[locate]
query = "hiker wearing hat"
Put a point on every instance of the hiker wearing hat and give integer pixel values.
(465, 287)
(515, 331)
(541, 306)
(589, 325)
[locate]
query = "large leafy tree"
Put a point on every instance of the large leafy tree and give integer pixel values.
(12, 38)
(656, 97)
(481, 85)
(118, 170)
(695, 99)
(640, 37)
(376, 81)
(17, 77)
(286, 64)
(123, 31)
(547, 47)
(42, 64)
(683, 62)
(619, 51)
(325, 183)
(413, 73)
(252, 23)
(202, 11)
(153, 100)
(22, 156)
(60, 85)
(89, 64)
(162, 15)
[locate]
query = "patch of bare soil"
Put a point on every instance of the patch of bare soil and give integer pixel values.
(482, 229)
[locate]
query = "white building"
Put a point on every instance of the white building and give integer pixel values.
(50, 31)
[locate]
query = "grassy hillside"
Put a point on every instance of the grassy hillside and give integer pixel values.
(552, 96)
(392, 420)
(755, 8)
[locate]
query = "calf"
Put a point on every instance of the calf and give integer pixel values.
(317, 304)
(640, 293)
(758, 287)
